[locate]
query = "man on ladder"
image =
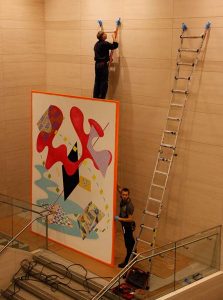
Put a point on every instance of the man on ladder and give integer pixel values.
(102, 58)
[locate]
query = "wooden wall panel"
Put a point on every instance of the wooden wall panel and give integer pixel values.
(63, 42)
(132, 46)
(62, 10)
(33, 74)
(21, 10)
(22, 48)
(145, 9)
(144, 82)
(56, 72)
(22, 41)
(197, 9)
(94, 10)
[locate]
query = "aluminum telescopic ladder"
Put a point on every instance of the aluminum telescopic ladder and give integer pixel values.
(187, 59)
(118, 24)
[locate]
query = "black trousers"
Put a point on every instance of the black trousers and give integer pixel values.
(129, 241)
(101, 80)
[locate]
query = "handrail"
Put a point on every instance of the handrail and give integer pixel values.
(177, 241)
(23, 207)
(176, 247)
(137, 259)
(21, 231)
(9, 197)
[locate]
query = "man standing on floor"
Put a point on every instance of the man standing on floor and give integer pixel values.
(128, 225)
(101, 57)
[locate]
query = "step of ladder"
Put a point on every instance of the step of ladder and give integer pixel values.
(168, 146)
(173, 119)
(164, 159)
(188, 50)
(158, 186)
(182, 63)
(182, 78)
(147, 227)
(143, 241)
(180, 91)
(162, 173)
(150, 213)
(192, 36)
(155, 200)
(176, 105)
(170, 132)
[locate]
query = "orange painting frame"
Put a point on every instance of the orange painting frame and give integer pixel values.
(111, 263)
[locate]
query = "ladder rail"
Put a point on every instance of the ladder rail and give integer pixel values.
(172, 147)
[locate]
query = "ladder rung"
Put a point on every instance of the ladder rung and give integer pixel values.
(170, 132)
(168, 146)
(147, 227)
(160, 172)
(151, 213)
(158, 186)
(183, 78)
(154, 199)
(177, 105)
(188, 50)
(165, 159)
(148, 243)
(180, 92)
(173, 119)
(181, 63)
(192, 36)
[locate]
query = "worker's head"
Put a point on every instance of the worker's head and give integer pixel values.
(101, 35)
(125, 194)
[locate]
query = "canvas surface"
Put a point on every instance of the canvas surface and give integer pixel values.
(74, 146)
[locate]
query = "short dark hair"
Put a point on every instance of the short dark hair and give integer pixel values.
(125, 190)
(100, 34)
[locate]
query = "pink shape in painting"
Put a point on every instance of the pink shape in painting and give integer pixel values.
(45, 139)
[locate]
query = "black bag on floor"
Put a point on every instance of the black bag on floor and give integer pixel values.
(138, 278)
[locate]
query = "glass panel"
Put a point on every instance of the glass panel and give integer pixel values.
(20, 203)
(15, 215)
(174, 265)
(197, 257)
(162, 272)
(6, 217)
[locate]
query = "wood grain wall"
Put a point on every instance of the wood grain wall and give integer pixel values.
(142, 81)
(59, 53)
(22, 68)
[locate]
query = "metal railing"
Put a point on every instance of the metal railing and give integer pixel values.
(151, 254)
(24, 228)
(18, 204)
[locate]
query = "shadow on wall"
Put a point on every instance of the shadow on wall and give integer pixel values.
(114, 72)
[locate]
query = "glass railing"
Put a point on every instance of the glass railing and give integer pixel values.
(165, 269)
(18, 218)
(152, 273)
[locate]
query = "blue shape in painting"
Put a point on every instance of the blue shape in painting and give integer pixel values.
(59, 220)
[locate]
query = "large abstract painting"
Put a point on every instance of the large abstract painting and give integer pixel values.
(74, 166)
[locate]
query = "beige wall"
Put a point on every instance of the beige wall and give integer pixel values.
(22, 68)
(149, 38)
(142, 82)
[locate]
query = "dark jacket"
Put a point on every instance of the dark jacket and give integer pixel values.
(101, 50)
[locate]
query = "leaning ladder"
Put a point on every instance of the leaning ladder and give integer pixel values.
(118, 24)
(187, 59)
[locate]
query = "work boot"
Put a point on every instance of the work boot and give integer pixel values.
(122, 265)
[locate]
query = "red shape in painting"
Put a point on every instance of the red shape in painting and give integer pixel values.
(59, 154)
